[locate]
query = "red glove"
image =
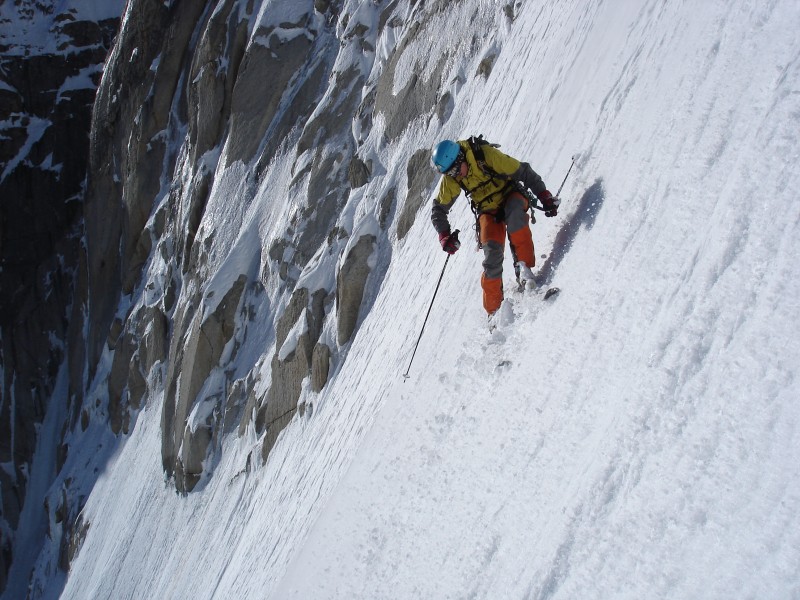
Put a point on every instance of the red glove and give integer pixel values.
(449, 242)
(550, 203)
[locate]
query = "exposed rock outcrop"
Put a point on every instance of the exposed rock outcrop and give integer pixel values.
(350, 283)
(358, 173)
(136, 350)
(297, 333)
(418, 97)
(215, 64)
(486, 64)
(420, 178)
(194, 95)
(128, 149)
(194, 352)
(46, 97)
(320, 366)
(254, 108)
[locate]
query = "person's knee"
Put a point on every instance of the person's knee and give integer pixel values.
(493, 259)
(516, 213)
(491, 230)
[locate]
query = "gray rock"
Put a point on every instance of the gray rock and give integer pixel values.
(198, 197)
(195, 350)
(118, 410)
(211, 84)
(485, 66)
(235, 403)
(420, 177)
(387, 203)
(139, 257)
(154, 329)
(40, 211)
(280, 403)
(445, 106)
(417, 98)
(73, 535)
(114, 332)
(281, 400)
(350, 283)
(140, 344)
(193, 452)
(254, 106)
(137, 385)
(133, 105)
(328, 185)
(320, 366)
(358, 173)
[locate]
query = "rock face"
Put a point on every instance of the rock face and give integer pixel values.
(137, 349)
(128, 150)
(418, 96)
(194, 352)
(47, 89)
(420, 178)
(350, 285)
(225, 240)
(291, 364)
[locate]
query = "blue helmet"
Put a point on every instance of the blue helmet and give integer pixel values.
(445, 155)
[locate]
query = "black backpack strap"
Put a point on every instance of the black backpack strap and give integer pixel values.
(476, 144)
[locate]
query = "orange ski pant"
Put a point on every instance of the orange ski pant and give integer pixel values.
(493, 231)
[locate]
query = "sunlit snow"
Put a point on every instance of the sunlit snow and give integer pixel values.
(638, 436)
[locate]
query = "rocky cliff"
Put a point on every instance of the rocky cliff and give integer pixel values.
(215, 257)
(51, 61)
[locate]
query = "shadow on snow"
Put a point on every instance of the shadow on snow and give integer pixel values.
(584, 216)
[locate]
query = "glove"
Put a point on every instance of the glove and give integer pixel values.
(550, 203)
(449, 241)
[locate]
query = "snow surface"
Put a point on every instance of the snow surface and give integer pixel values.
(26, 32)
(35, 129)
(636, 437)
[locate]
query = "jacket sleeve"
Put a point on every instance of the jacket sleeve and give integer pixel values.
(442, 202)
(529, 178)
(519, 171)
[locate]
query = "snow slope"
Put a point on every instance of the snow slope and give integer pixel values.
(636, 437)
(32, 27)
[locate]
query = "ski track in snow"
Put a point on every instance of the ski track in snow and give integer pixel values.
(635, 437)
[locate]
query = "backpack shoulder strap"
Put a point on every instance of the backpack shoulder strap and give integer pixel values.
(476, 144)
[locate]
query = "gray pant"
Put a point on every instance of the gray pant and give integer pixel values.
(493, 233)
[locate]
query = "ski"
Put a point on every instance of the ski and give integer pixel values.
(551, 292)
(521, 289)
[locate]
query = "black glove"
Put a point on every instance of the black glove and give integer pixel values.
(550, 203)
(449, 241)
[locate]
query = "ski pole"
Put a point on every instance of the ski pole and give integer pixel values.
(436, 291)
(567, 175)
(533, 201)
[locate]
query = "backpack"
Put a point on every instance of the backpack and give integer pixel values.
(476, 144)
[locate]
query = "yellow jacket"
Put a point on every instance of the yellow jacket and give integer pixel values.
(485, 192)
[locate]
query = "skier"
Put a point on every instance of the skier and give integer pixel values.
(492, 181)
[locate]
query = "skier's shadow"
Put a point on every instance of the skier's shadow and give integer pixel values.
(588, 207)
